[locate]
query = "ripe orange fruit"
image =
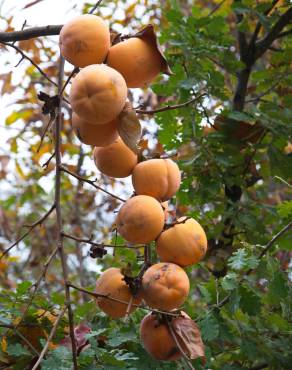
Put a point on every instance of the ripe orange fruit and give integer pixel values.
(97, 135)
(85, 40)
(111, 282)
(98, 94)
(140, 220)
(165, 286)
(115, 160)
(137, 60)
(183, 244)
(159, 178)
(157, 339)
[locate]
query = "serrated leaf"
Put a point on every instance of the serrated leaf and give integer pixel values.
(17, 350)
(129, 127)
(209, 328)
(241, 260)
(229, 282)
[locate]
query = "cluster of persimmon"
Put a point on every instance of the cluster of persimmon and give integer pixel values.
(98, 95)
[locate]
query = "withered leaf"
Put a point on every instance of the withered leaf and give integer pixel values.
(148, 33)
(129, 127)
(80, 332)
(189, 335)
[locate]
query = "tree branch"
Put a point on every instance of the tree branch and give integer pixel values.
(60, 244)
(100, 245)
(96, 295)
(263, 45)
(275, 238)
(30, 228)
(91, 182)
(170, 107)
(30, 33)
(24, 56)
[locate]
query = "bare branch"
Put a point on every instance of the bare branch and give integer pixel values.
(217, 7)
(91, 182)
(96, 295)
(275, 238)
(58, 125)
(50, 337)
(37, 284)
(30, 33)
(45, 165)
(100, 245)
(95, 7)
(30, 228)
(170, 107)
(24, 56)
(263, 45)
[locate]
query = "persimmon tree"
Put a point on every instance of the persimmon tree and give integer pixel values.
(223, 114)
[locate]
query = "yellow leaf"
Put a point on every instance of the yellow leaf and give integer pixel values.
(19, 171)
(4, 344)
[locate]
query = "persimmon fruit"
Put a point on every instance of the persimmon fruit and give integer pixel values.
(85, 40)
(158, 178)
(97, 135)
(137, 60)
(111, 282)
(157, 339)
(98, 94)
(115, 160)
(165, 286)
(140, 219)
(183, 244)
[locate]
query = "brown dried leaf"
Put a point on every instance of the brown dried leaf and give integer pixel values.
(148, 34)
(189, 335)
(129, 127)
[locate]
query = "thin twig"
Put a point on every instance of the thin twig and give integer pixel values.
(217, 7)
(30, 228)
(101, 245)
(50, 337)
(45, 165)
(37, 284)
(95, 7)
(47, 127)
(91, 182)
(275, 238)
(105, 296)
(60, 245)
(171, 107)
(24, 56)
(75, 70)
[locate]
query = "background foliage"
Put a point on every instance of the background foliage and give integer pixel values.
(236, 187)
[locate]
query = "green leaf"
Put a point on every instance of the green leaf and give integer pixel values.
(17, 350)
(285, 209)
(249, 302)
(23, 288)
(241, 260)
(278, 288)
(209, 328)
(229, 282)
